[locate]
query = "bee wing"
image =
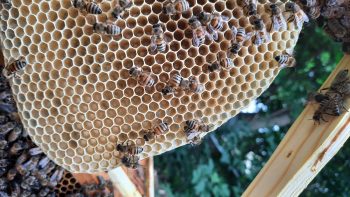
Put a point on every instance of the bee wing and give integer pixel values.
(209, 36)
(249, 35)
(267, 36)
(234, 33)
(215, 35)
(225, 18)
(153, 46)
(195, 40)
(275, 26)
(191, 134)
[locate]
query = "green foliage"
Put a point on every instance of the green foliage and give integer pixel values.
(229, 159)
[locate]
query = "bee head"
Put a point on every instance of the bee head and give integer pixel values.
(166, 90)
(235, 48)
(320, 97)
(252, 9)
(156, 26)
(278, 58)
(119, 147)
(132, 70)
(290, 6)
(145, 137)
(213, 67)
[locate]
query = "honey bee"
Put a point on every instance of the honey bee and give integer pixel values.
(332, 106)
(341, 83)
(107, 28)
(158, 40)
(129, 147)
(6, 2)
(277, 18)
(338, 30)
(199, 32)
(14, 67)
(249, 7)
(221, 62)
(194, 129)
(314, 12)
(14, 134)
(130, 150)
(11, 174)
(238, 37)
(131, 161)
(143, 78)
(310, 3)
(16, 147)
(121, 8)
(333, 12)
(194, 85)
(285, 60)
(156, 131)
(89, 7)
(174, 7)
(261, 35)
(6, 128)
(43, 162)
(214, 21)
(174, 83)
(298, 16)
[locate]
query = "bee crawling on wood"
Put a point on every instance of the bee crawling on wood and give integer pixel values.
(340, 84)
(160, 129)
(89, 7)
(278, 21)
(143, 78)
(130, 150)
(14, 67)
(175, 7)
(199, 32)
(261, 36)
(329, 102)
(298, 16)
(194, 130)
(285, 60)
(221, 63)
(107, 28)
(158, 40)
(120, 8)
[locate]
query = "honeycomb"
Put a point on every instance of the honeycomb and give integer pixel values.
(76, 98)
(68, 185)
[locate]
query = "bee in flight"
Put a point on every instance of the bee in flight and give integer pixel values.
(298, 16)
(89, 7)
(158, 40)
(14, 67)
(285, 60)
(160, 129)
(142, 77)
(199, 32)
(278, 21)
(107, 28)
(175, 7)
(120, 8)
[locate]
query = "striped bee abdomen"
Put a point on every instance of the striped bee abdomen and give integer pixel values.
(93, 8)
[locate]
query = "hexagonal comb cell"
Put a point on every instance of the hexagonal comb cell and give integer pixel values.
(76, 96)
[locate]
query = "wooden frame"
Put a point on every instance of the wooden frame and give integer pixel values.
(304, 151)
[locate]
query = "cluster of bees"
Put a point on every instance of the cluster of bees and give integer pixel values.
(333, 16)
(24, 169)
(332, 101)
